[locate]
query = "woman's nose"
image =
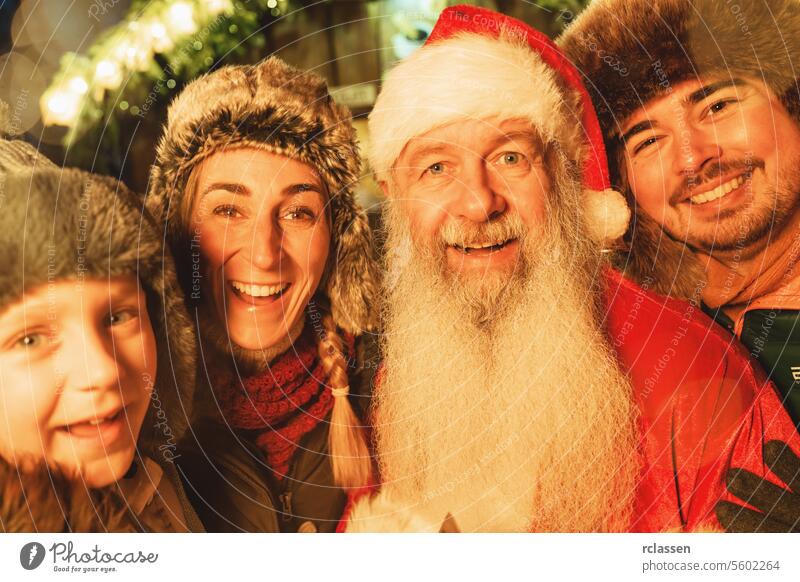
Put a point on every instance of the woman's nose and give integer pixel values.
(266, 242)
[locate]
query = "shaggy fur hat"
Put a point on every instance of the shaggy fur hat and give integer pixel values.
(274, 107)
(70, 224)
(479, 64)
(631, 51)
(15, 154)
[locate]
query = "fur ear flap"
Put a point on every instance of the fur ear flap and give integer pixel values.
(353, 285)
(660, 263)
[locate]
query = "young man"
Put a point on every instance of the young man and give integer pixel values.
(698, 102)
(526, 385)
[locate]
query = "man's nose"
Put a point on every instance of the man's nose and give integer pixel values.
(478, 199)
(697, 149)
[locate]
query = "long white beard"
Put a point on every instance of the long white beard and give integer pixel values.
(520, 422)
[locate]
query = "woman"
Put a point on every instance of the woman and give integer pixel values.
(253, 180)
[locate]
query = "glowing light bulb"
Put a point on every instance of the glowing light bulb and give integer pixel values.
(60, 107)
(214, 7)
(133, 52)
(180, 17)
(107, 74)
(78, 85)
(159, 37)
(272, 3)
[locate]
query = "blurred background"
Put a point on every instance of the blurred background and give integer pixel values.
(88, 81)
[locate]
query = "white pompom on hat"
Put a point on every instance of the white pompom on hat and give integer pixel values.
(480, 64)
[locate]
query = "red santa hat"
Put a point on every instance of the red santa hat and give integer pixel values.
(481, 64)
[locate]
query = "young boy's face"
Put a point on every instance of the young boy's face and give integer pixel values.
(77, 366)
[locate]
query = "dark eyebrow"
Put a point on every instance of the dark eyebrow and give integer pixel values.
(304, 187)
(641, 126)
(692, 98)
(227, 186)
(707, 90)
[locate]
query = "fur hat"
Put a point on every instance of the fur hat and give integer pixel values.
(631, 51)
(480, 64)
(274, 107)
(17, 155)
(70, 224)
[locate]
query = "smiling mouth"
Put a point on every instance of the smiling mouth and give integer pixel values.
(483, 248)
(103, 427)
(250, 292)
(720, 191)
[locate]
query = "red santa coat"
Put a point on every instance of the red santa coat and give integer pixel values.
(703, 407)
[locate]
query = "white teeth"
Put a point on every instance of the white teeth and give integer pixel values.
(258, 290)
(101, 420)
(484, 245)
(718, 192)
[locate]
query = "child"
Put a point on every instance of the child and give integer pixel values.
(96, 356)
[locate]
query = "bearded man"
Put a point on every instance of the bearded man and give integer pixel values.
(701, 118)
(527, 386)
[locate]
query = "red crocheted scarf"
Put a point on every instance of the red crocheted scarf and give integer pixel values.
(284, 403)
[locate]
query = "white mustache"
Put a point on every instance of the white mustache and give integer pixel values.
(464, 234)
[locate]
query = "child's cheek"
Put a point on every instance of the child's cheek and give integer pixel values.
(28, 397)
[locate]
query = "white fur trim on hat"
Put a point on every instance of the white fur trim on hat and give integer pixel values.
(608, 214)
(467, 76)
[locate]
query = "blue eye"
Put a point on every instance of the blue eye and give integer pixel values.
(436, 169)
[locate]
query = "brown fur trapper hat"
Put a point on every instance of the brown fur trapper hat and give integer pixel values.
(275, 107)
(630, 51)
(70, 224)
(15, 154)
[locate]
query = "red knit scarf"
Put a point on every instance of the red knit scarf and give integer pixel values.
(284, 403)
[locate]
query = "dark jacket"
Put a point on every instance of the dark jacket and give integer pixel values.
(773, 338)
(232, 489)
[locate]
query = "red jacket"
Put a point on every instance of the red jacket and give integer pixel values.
(703, 407)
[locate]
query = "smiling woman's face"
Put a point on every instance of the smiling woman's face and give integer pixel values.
(259, 222)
